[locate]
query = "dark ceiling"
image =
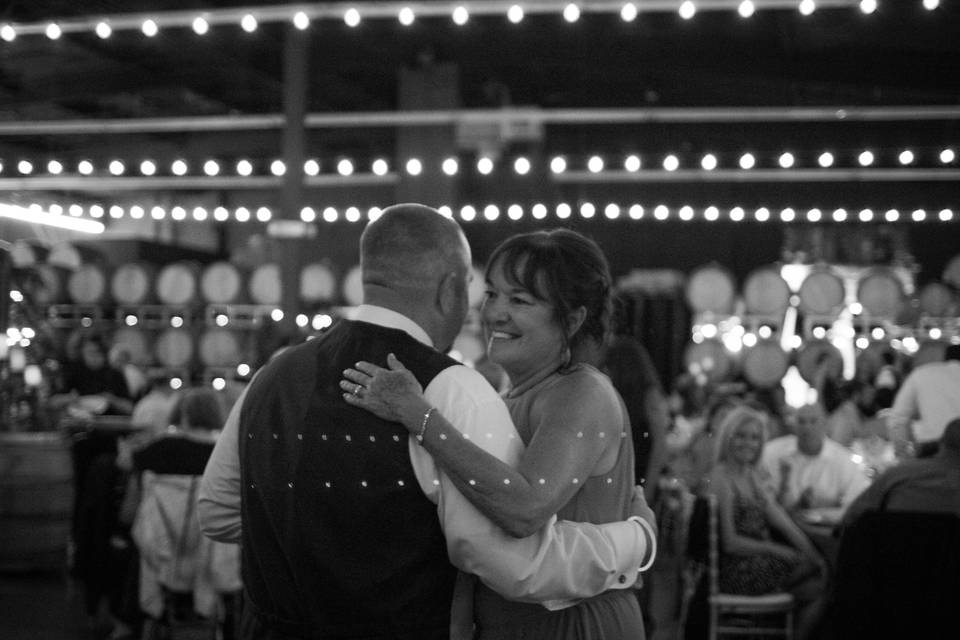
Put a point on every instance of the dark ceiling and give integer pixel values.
(902, 55)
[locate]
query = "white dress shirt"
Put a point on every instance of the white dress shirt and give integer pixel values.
(931, 396)
(832, 476)
(563, 562)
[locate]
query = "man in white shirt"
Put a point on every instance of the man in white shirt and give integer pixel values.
(809, 470)
(344, 519)
(927, 400)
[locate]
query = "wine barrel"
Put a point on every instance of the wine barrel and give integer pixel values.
(137, 342)
(220, 348)
(36, 500)
(710, 289)
(880, 292)
(174, 348)
(766, 293)
(352, 286)
(822, 293)
(709, 358)
(265, 285)
(45, 284)
(87, 285)
(930, 351)
(937, 300)
(221, 283)
(817, 354)
(176, 283)
(132, 283)
(317, 283)
(24, 253)
(765, 363)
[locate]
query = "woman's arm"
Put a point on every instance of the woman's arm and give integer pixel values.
(658, 419)
(576, 420)
(732, 542)
(782, 522)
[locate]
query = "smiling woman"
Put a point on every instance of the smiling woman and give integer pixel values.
(546, 292)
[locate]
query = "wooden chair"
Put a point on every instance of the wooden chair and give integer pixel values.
(742, 615)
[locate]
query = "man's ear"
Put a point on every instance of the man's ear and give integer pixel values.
(447, 292)
(575, 320)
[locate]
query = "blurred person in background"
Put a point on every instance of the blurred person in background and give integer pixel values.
(121, 359)
(91, 386)
(751, 561)
(927, 485)
(928, 398)
(808, 469)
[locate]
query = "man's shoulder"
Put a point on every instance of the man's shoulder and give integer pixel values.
(780, 447)
(463, 384)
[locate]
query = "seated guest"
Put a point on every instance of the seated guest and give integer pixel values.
(751, 561)
(809, 470)
(92, 378)
(185, 448)
(928, 485)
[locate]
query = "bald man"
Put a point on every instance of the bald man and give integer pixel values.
(348, 528)
(810, 470)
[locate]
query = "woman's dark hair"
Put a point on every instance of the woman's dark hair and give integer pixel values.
(567, 270)
(200, 408)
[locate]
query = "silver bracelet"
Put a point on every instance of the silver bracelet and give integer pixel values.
(423, 424)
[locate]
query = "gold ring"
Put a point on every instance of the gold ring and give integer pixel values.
(356, 389)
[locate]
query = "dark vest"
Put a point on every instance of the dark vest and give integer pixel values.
(339, 540)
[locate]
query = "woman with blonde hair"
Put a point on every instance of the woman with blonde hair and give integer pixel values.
(752, 560)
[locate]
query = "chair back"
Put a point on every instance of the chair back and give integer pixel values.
(713, 533)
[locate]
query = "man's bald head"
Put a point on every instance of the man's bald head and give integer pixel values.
(417, 262)
(409, 246)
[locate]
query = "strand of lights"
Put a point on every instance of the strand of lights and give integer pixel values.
(867, 159)
(513, 211)
(302, 16)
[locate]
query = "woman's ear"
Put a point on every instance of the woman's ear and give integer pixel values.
(575, 320)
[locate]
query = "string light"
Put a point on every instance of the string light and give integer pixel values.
(947, 156)
(345, 167)
(522, 166)
(539, 211)
(628, 12)
(515, 14)
(380, 167)
(301, 20)
(278, 168)
(865, 158)
(244, 168)
(930, 5)
(53, 31)
(414, 167)
(807, 7)
(558, 164)
(632, 163)
(460, 15)
(906, 157)
(450, 166)
(671, 163)
(825, 159)
(311, 167)
(563, 211)
(745, 9)
(351, 17)
(179, 167)
(868, 6)
(8, 33)
(406, 16)
(687, 10)
(103, 30)
(249, 23)
(786, 160)
(211, 167)
(595, 164)
(747, 161)
(709, 162)
(571, 13)
(200, 25)
(149, 28)
(148, 167)
(116, 168)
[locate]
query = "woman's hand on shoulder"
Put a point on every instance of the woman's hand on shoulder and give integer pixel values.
(392, 394)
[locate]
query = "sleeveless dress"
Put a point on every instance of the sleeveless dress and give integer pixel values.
(612, 615)
(756, 573)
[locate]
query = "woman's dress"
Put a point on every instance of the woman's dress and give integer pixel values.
(612, 615)
(756, 573)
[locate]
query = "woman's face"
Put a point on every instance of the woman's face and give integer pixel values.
(521, 330)
(746, 442)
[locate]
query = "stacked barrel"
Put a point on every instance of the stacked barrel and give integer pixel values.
(740, 330)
